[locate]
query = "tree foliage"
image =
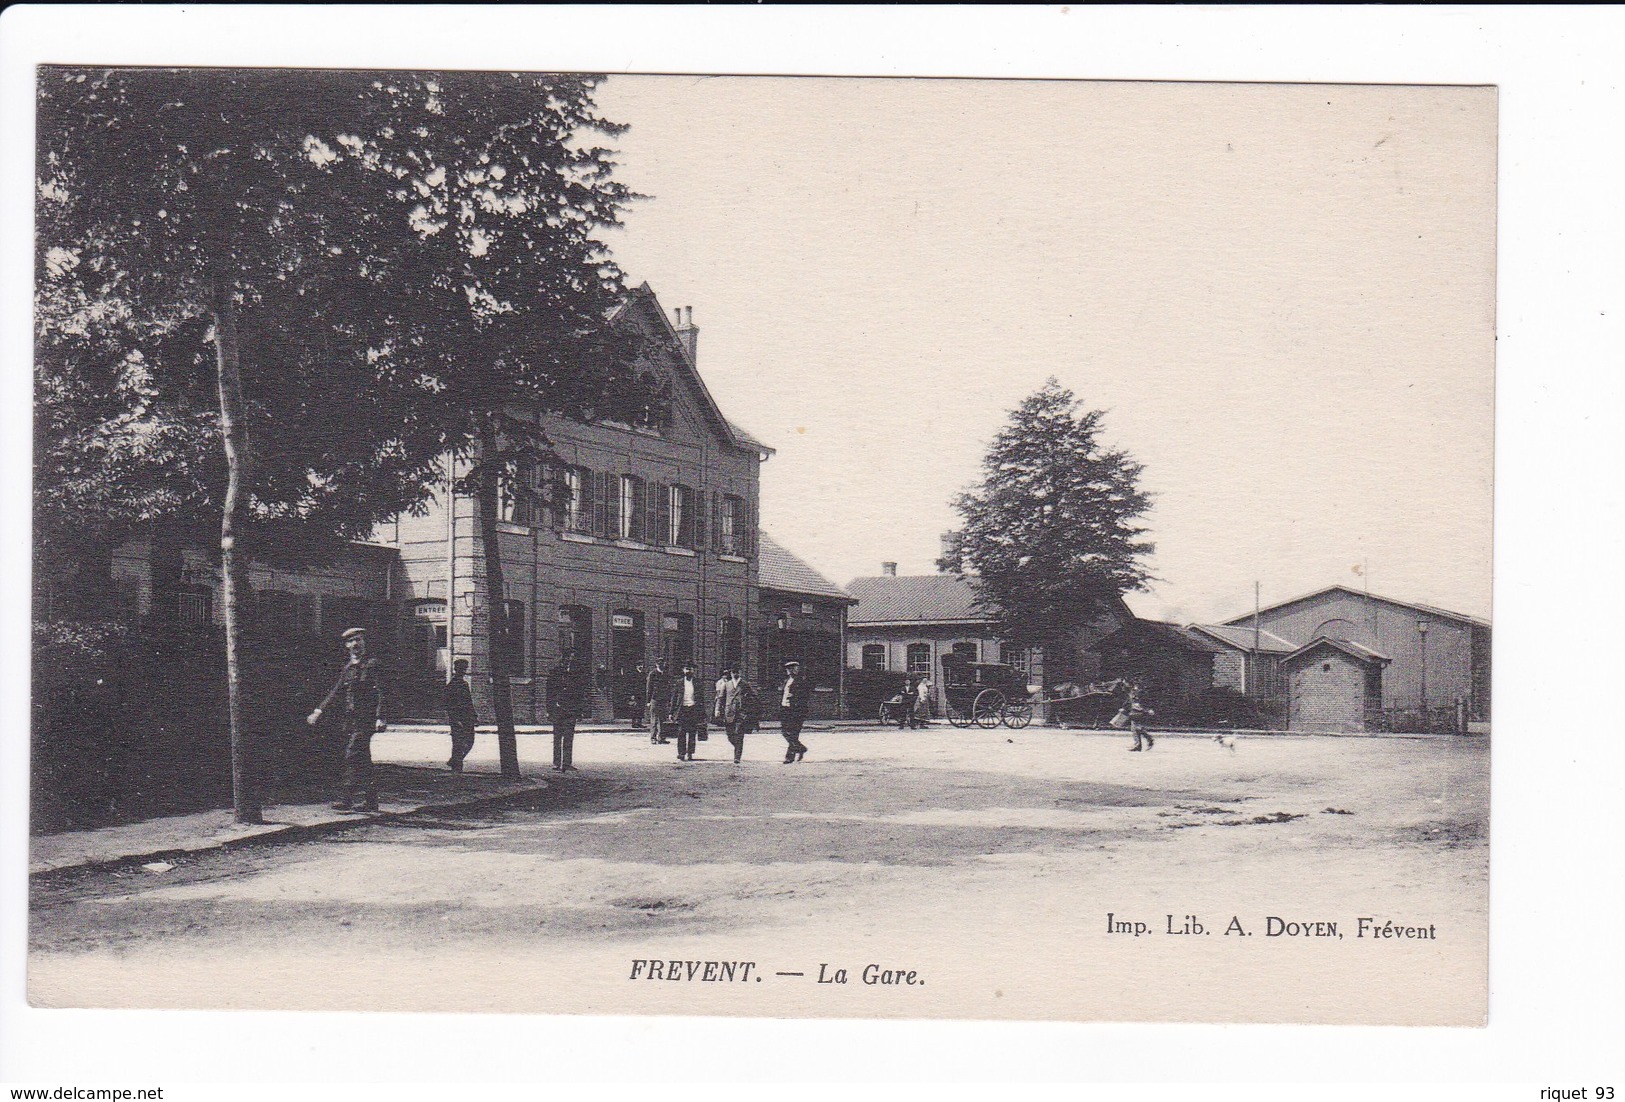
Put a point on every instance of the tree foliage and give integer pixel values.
(162, 195)
(276, 298)
(1052, 532)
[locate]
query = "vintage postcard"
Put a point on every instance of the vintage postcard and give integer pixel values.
(1056, 587)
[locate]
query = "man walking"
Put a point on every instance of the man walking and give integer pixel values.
(655, 690)
(1135, 711)
(359, 692)
(687, 711)
(793, 702)
(567, 699)
(459, 714)
(741, 713)
(719, 698)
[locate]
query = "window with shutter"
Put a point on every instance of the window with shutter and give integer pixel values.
(578, 499)
(600, 503)
(700, 516)
(632, 508)
(662, 513)
(612, 503)
(681, 510)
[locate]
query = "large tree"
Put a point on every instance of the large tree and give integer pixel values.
(379, 267)
(212, 299)
(1052, 532)
(508, 191)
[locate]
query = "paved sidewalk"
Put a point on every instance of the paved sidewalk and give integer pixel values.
(404, 790)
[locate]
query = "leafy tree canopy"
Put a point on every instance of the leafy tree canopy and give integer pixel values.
(1052, 532)
(402, 250)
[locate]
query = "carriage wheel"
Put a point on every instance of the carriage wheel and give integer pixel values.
(956, 717)
(987, 708)
(885, 714)
(1017, 714)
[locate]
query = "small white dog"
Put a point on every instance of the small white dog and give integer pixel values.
(1228, 741)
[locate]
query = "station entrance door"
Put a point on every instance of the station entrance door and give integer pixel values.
(626, 673)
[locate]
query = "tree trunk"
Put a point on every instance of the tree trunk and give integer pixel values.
(495, 595)
(244, 790)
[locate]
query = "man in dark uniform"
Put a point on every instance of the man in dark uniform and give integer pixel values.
(359, 692)
(567, 699)
(687, 711)
(460, 714)
(655, 688)
(793, 701)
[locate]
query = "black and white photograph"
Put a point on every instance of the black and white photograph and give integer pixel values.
(1057, 588)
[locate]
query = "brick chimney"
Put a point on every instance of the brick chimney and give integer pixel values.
(687, 333)
(889, 569)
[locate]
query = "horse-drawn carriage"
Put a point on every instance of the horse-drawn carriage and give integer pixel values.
(986, 694)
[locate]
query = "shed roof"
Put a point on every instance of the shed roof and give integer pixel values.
(1441, 613)
(779, 569)
(916, 599)
(1162, 632)
(1356, 651)
(1241, 637)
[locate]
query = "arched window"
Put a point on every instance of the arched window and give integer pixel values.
(1337, 629)
(919, 658)
(874, 656)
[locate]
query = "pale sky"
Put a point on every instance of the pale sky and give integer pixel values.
(1283, 295)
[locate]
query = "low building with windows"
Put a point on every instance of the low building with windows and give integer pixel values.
(1249, 659)
(906, 624)
(803, 617)
(638, 543)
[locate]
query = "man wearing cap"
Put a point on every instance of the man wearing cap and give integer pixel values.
(459, 714)
(793, 702)
(360, 693)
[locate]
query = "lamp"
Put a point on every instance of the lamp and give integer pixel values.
(1422, 686)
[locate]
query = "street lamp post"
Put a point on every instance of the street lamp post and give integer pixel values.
(1422, 690)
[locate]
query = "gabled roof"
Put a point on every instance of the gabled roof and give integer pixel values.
(1241, 638)
(916, 599)
(1443, 614)
(779, 569)
(1160, 632)
(1356, 651)
(644, 296)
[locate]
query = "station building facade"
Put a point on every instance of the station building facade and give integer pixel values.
(647, 550)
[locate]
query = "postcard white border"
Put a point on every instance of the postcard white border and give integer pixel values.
(1557, 591)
